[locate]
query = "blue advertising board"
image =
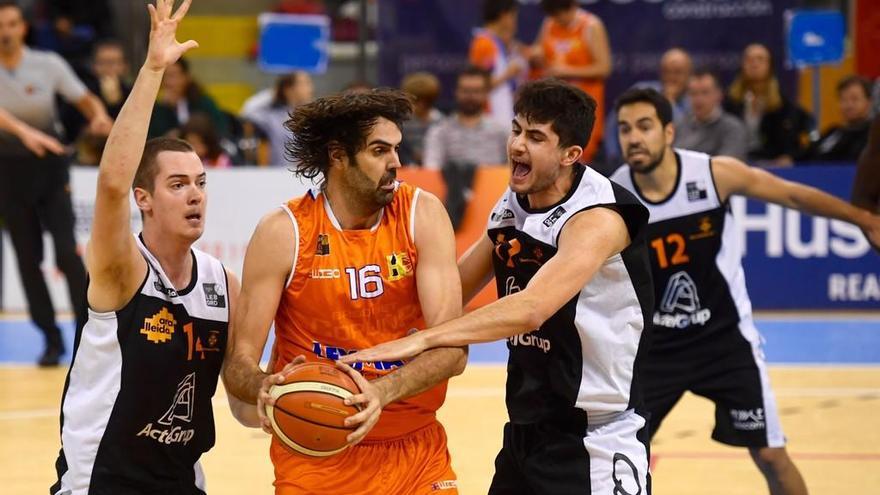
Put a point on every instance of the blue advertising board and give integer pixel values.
(795, 261)
(290, 42)
(434, 35)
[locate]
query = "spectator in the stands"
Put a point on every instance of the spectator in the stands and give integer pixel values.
(707, 127)
(494, 49)
(107, 80)
(290, 91)
(200, 133)
(425, 89)
(71, 28)
(776, 127)
(467, 138)
(674, 72)
(573, 45)
(843, 142)
(181, 98)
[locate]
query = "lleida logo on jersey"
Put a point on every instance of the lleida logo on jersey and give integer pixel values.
(160, 327)
(181, 409)
(680, 305)
(399, 266)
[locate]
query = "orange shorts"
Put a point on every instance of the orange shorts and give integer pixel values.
(416, 464)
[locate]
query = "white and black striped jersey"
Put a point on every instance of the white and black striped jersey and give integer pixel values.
(695, 258)
(136, 413)
(583, 359)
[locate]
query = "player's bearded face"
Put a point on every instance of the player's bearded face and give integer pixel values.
(643, 138)
(372, 172)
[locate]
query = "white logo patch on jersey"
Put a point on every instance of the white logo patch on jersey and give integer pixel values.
(680, 304)
(184, 399)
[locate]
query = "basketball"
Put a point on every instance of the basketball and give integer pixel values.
(309, 413)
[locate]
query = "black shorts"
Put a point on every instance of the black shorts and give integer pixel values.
(727, 368)
(554, 458)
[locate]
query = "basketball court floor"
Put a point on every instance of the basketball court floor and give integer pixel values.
(825, 371)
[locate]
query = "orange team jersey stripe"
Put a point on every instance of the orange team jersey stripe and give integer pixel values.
(353, 289)
(566, 45)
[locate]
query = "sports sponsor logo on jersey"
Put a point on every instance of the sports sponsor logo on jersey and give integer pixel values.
(160, 327)
(333, 353)
(215, 296)
(696, 191)
(399, 266)
(323, 247)
(181, 409)
(160, 287)
(705, 227)
(530, 339)
(444, 485)
(680, 305)
(747, 419)
(505, 214)
(556, 215)
(325, 273)
(184, 400)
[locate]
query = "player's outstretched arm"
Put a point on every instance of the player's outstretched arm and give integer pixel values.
(439, 289)
(267, 265)
(475, 268)
(586, 242)
(735, 177)
(245, 413)
(115, 267)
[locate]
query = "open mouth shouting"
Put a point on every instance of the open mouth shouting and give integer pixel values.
(520, 170)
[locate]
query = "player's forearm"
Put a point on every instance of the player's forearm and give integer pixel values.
(815, 202)
(243, 378)
(125, 145)
(423, 372)
(509, 316)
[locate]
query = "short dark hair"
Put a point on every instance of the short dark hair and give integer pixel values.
(854, 80)
(707, 72)
(145, 177)
(474, 71)
(570, 112)
(551, 7)
(345, 119)
(10, 3)
(646, 95)
(494, 9)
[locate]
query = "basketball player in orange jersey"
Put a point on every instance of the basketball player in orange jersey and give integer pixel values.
(573, 45)
(136, 410)
(358, 261)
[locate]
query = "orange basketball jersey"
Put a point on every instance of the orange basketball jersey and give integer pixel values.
(565, 45)
(353, 289)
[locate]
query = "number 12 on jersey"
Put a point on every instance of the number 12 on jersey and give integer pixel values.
(679, 257)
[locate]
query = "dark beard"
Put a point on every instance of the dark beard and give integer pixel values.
(652, 165)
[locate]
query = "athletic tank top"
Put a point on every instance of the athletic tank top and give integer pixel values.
(583, 360)
(353, 289)
(136, 411)
(695, 257)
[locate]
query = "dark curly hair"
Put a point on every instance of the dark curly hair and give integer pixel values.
(343, 119)
(570, 112)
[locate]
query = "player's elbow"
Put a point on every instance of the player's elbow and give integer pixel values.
(461, 363)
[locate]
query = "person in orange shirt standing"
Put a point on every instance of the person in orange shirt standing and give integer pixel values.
(573, 45)
(495, 50)
(360, 260)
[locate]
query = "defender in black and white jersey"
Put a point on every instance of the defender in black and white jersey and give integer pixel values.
(136, 413)
(704, 338)
(570, 264)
